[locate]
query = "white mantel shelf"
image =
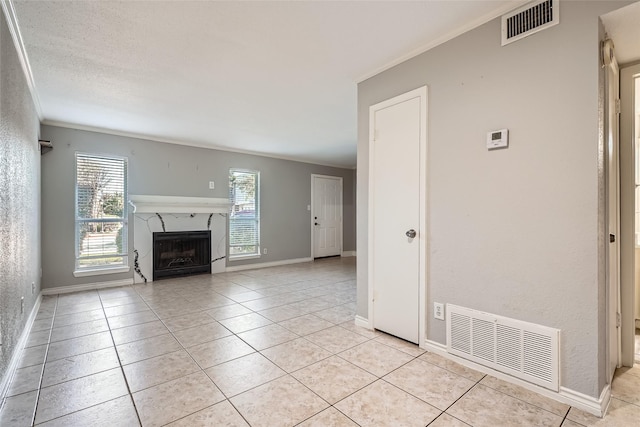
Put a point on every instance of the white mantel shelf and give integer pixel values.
(178, 204)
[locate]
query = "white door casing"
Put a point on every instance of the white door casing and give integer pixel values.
(326, 215)
(613, 210)
(629, 178)
(398, 204)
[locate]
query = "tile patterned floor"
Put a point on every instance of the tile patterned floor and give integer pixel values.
(267, 347)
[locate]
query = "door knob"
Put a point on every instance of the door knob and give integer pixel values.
(411, 233)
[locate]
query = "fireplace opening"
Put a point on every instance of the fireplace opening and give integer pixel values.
(181, 253)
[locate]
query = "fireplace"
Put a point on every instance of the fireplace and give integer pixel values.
(181, 253)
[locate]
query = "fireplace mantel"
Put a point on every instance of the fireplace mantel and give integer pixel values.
(178, 204)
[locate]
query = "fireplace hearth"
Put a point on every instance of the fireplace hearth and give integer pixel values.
(181, 253)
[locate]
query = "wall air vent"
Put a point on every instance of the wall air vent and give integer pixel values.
(529, 19)
(521, 349)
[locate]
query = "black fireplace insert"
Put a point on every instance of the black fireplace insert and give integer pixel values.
(181, 253)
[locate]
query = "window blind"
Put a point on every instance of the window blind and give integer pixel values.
(101, 226)
(244, 219)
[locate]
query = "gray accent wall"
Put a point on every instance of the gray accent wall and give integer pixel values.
(516, 232)
(19, 199)
(159, 168)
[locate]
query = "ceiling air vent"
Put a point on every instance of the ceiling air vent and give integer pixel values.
(529, 19)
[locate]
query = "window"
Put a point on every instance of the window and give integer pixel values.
(101, 212)
(244, 219)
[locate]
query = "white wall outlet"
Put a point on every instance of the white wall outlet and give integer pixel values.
(212, 185)
(438, 310)
(264, 251)
(309, 207)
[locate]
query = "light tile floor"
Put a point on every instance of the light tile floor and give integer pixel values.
(266, 347)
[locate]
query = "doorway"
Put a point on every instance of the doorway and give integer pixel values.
(326, 216)
(397, 215)
(630, 206)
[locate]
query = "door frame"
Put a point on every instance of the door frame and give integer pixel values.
(628, 152)
(312, 210)
(422, 94)
(612, 144)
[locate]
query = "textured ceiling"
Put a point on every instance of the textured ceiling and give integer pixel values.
(276, 78)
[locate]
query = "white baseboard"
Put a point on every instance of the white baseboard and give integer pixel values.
(597, 407)
(86, 287)
(5, 381)
(268, 264)
(348, 253)
(592, 405)
(362, 322)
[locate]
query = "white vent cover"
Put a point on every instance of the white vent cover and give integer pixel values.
(529, 19)
(524, 350)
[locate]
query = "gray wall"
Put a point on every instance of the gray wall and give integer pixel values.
(19, 198)
(173, 170)
(515, 232)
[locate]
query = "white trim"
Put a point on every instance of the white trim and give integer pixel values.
(178, 204)
(423, 94)
(5, 381)
(592, 405)
(86, 287)
(268, 264)
(597, 407)
(362, 322)
(628, 147)
(311, 216)
(234, 258)
(198, 144)
(14, 29)
(444, 38)
(101, 271)
(348, 253)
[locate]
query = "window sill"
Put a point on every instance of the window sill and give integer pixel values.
(101, 271)
(243, 257)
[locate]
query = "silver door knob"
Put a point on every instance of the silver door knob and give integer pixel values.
(411, 233)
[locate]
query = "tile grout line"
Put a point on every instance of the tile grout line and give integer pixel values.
(44, 363)
(115, 349)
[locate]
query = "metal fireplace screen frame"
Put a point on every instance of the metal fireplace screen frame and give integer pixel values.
(181, 253)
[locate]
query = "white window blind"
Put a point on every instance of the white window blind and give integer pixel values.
(101, 221)
(244, 219)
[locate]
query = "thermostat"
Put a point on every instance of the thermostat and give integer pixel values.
(498, 139)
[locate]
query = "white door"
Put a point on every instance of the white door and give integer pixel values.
(326, 215)
(397, 205)
(613, 191)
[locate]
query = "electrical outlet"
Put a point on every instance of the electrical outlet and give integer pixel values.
(438, 310)
(212, 185)
(264, 251)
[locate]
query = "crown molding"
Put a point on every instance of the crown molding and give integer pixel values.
(509, 6)
(156, 138)
(14, 29)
